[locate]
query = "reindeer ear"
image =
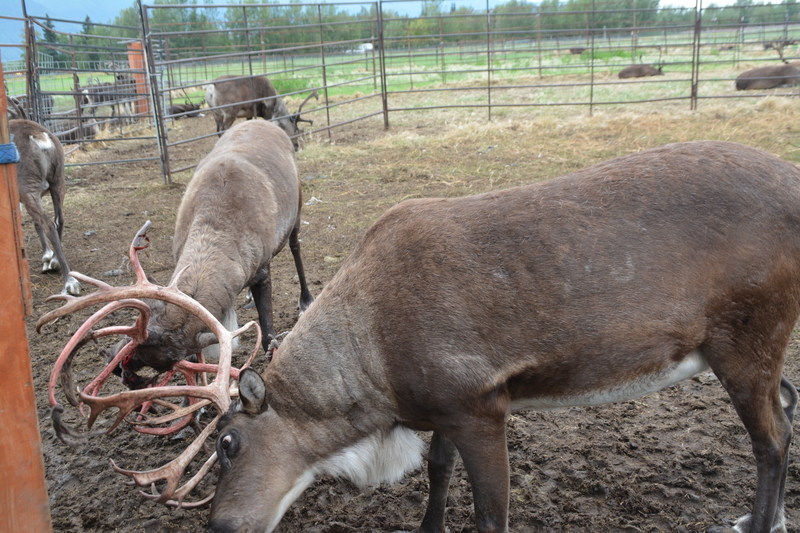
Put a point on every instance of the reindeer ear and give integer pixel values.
(205, 340)
(252, 392)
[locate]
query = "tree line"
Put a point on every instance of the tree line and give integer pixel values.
(186, 28)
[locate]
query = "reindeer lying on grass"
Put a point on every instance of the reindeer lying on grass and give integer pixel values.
(640, 71)
(769, 77)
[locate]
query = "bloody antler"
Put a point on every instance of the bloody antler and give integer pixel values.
(218, 392)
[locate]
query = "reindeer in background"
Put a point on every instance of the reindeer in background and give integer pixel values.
(40, 170)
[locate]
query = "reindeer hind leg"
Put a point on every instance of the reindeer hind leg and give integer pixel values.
(294, 246)
(262, 296)
(765, 403)
(789, 399)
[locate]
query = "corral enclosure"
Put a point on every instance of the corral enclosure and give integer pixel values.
(119, 81)
(678, 461)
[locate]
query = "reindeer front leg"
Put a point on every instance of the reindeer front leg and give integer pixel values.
(441, 463)
(481, 442)
(262, 297)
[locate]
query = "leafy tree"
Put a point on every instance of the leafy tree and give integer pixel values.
(91, 54)
(52, 39)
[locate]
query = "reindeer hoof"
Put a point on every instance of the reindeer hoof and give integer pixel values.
(72, 287)
(54, 265)
(744, 525)
(249, 303)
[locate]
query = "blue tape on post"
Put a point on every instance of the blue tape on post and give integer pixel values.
(8, 153)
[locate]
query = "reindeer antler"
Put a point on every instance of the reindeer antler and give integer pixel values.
(297, 116)
(219, 392)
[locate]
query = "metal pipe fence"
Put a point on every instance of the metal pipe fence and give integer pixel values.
(367, 61)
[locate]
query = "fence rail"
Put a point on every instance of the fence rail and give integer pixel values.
(365, 61)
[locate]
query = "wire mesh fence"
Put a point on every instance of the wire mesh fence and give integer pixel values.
(337, 64)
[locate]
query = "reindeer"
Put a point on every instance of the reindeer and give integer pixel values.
(179, 111)
(640, 71)
(19, 106)
(41, 169)
(600, 286)
(120, 94)
(70, 129)
(239, 210)
(230, 97)
(769, 77)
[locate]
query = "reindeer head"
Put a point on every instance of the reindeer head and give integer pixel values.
(173, 416)
(290, 122)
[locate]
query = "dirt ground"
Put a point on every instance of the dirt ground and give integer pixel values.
(677, 461)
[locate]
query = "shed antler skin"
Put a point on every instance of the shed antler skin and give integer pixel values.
(145, 392)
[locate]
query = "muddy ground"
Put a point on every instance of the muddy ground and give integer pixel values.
(676, 461)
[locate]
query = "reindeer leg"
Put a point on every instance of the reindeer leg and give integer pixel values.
(442, 457)
(33, 205)
(751, 376)
(481, 442)
(262, 296)
(789, 399)
(47, 230)
(57, 195)
(230, 118)
(294, 246)
(71, 285)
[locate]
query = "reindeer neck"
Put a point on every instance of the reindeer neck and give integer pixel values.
(344, 388)
(210, 277)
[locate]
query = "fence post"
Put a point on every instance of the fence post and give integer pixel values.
(137, 64)
(158, 114)
(23, 493)
(489, 59)
(324, 69)
(382, 63)
(539, 38)
(698, 9)
(591, 60)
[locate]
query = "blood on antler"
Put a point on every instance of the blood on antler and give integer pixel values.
(155, 390)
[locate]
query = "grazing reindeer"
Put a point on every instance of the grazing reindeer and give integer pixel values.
(239, 210)
(41, 169)
(249, 98)
(120, 93)
(769, 77)
(640, 71)
(604, 285)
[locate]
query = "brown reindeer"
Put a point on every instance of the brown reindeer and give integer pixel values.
(119, 93)
(640, 71)
(769, 77)
(231, 97)
(40, 170)
(600, 286)
(240, 208)
(187, 110)
(70, 129)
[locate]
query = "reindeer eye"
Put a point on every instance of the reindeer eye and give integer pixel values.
(227, 448)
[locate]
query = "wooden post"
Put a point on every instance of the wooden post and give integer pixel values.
(136, 62)
(23, 493)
